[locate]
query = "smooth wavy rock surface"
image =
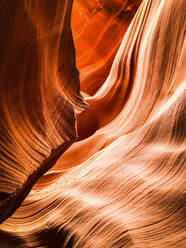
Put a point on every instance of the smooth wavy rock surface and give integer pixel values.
(98, 29)
(122, 184)
(39, 93)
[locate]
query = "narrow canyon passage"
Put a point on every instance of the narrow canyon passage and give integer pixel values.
(93, 113)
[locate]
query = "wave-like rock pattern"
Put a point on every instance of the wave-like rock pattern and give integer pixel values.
(123, 185)
(39, 93)
(98, 28)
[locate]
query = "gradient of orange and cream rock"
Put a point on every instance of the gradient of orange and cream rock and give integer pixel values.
(122, 183)
(98, 28)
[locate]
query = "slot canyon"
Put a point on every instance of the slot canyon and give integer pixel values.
(92, 123)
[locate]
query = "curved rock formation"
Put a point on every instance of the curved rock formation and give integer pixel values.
(122, 183)
(98, 28)
(39, 93)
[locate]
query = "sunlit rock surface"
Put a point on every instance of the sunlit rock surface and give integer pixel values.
(122, 183)
(98, 28)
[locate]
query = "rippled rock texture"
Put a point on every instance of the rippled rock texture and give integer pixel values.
(110, 174)
(39, 94)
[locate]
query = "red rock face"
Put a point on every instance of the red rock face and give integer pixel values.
(39, 94)
(121, 184)
(98, 29)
